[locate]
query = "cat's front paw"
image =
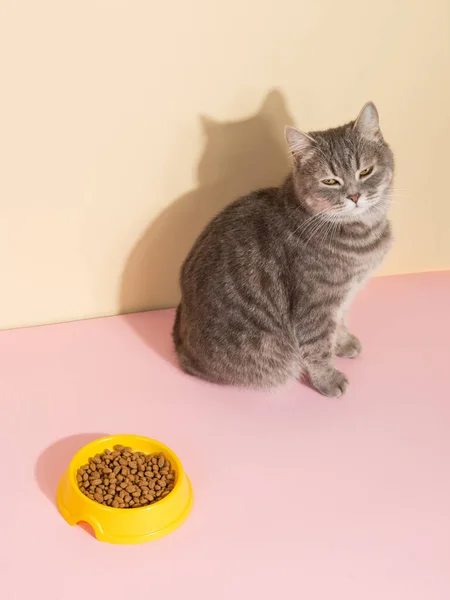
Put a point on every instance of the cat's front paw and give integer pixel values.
(348, 347)
(331, 383)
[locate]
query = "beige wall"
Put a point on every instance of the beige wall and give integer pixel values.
(108, 171)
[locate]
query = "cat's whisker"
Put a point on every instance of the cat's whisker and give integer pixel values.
(314, 231)
(305, 225)
(325, 230)
(320, 226)
(397, 197)
(379, 209)
(326, 221)
(328, 232)
(331, 216)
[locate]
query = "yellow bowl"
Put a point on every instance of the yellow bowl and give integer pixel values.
(121, 525)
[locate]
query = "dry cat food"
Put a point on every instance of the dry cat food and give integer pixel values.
(122, 478)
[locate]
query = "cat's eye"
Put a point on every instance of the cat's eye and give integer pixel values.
(330, 181)
(366, 172)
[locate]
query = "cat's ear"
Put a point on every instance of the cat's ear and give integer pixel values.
(368, 123)
(299, 143)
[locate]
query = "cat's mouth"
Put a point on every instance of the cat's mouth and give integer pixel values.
(353, 212)
(358, 208)
(368, 212)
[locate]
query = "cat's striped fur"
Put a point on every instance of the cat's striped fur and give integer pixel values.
(267, 285)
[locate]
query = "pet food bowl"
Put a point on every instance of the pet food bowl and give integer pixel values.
(125, 525)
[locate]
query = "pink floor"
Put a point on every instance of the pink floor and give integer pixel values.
(296, 495)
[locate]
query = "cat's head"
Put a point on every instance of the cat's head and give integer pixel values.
(345, 173)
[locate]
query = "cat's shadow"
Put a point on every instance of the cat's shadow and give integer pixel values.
(239, 157)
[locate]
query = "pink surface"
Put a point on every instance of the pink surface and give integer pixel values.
(296, 495)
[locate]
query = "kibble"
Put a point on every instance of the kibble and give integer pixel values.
(122, 478)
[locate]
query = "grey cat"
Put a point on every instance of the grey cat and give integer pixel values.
(267, 286)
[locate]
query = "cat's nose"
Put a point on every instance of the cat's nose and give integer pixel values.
(354, 197)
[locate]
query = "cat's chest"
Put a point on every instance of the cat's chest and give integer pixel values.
(361, 267)
(344, 265)
(365, 255)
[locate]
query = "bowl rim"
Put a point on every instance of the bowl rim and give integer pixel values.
(73, 481)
